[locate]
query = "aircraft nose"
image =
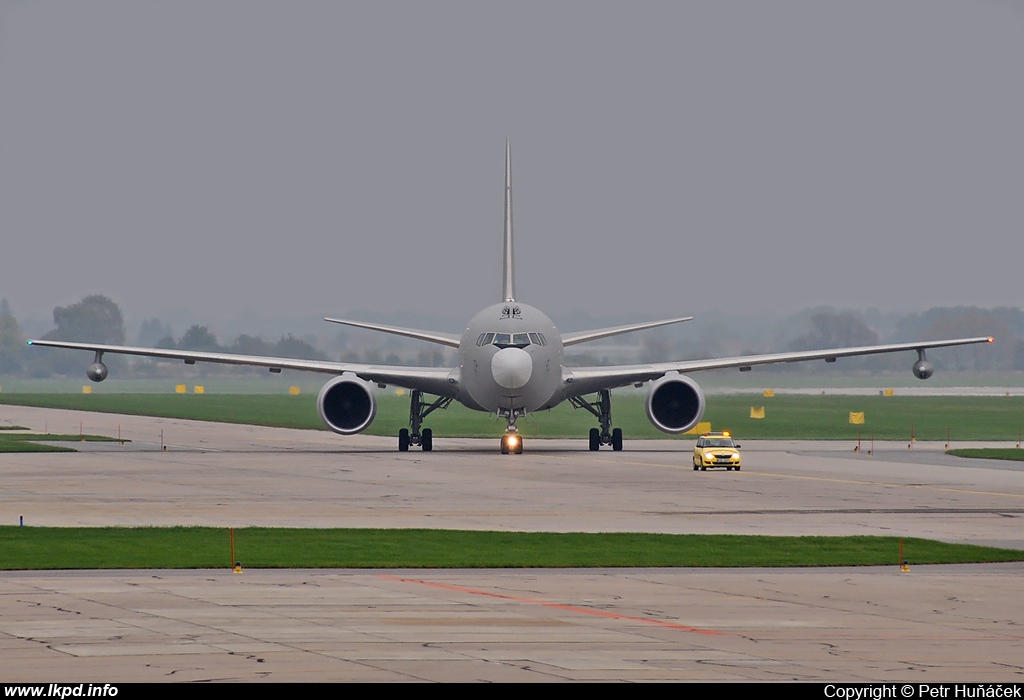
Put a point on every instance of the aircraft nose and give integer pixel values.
(512, 367)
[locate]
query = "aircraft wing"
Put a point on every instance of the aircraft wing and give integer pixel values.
(578, 381)
(433, 380)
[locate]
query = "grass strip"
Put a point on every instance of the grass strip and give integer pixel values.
(30, 442)
(1011, 453)
(198, 547)
(787, 417)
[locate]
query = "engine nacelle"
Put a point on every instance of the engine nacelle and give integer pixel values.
(346, 405)
(97, 371)
(675, 403)
(923, 369)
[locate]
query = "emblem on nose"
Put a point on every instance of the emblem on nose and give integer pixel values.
(511, 367)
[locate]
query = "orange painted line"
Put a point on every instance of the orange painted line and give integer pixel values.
(556, 606)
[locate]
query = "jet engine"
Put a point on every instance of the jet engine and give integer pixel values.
(675, 403)
(346, 405)
(97, 371)
(923, 369)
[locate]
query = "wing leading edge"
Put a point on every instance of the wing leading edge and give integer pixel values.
(433, 380)
(587, 380)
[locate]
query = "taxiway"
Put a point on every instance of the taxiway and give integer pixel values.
(863, 624)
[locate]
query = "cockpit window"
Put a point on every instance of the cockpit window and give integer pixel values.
(511, 340)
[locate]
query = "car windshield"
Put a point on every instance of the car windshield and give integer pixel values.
(718, 442)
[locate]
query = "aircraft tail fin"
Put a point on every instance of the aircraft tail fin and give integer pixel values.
(508, 291)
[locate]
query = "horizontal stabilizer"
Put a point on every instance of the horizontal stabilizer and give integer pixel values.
(448, 339)
(584, 336)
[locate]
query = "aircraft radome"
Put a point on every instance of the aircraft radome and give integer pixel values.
(510, 363)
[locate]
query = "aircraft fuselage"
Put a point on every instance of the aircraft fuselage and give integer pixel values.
(510, 360)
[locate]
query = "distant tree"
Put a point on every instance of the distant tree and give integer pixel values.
(152, 331)
(198, 338)
(95, 319)
(12, 343)
(290, 346)
(831, 329)
(972, 322)
(251, 345)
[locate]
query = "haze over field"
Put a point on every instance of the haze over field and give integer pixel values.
(211, 160)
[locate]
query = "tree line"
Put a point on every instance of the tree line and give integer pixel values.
(98, 319)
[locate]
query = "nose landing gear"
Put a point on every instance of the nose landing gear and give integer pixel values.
(511, 443)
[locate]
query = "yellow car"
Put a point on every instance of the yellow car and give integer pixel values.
(716, 450)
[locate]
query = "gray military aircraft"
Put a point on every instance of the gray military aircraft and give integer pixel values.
(510, 363)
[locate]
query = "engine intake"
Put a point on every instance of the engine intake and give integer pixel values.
(346, 405)
(675, 403)
(97, 371)
(923, 369)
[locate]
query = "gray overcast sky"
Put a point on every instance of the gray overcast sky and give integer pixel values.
(671, 157)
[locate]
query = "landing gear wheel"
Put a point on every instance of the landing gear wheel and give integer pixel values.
(511, 444)
(595, 439)
(403, 440)
(427, 440)
(617, 439)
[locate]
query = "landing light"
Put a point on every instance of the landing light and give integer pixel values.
(513, 441)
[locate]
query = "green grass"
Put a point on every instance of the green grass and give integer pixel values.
(29, 442)
(189, 548)
(1010, 453)
(787, 417)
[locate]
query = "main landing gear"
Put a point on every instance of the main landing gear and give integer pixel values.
(602, 408)
(418, 410)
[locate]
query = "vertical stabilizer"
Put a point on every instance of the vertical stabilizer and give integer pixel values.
(508, 290)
